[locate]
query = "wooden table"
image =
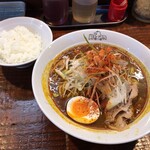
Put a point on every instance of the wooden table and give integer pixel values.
(22, 124)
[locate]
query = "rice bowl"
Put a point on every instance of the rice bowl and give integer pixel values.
(18, 36)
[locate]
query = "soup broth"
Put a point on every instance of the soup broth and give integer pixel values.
(108, 74)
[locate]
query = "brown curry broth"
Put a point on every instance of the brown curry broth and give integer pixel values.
(61, 102)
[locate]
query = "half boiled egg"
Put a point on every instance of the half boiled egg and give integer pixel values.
(83, 110)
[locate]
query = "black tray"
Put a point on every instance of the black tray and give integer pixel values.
(100, 19)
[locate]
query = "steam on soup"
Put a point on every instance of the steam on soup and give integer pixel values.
(102, 73)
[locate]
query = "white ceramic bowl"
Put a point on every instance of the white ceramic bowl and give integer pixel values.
(35, 26)
(137, 130)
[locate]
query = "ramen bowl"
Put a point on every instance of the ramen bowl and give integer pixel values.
(19, 37)
(137, 129)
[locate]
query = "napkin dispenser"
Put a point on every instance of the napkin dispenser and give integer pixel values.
(11, 9)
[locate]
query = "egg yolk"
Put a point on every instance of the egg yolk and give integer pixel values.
(80, 108)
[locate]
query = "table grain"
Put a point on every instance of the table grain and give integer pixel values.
(23, 126)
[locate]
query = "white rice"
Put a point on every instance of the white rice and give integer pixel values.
(19, 45)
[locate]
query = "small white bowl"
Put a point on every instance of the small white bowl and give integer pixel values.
(136, 130)
(35, 26)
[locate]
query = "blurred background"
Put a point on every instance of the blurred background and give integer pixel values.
(36, 5)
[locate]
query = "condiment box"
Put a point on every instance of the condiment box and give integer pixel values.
(11, 9)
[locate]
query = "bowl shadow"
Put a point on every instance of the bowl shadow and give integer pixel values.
(80, 145)
(20, 77)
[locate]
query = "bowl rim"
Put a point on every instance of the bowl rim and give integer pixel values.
(62, 127)
(29, 19)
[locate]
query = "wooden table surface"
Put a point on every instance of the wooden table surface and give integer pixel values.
(23, 126)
